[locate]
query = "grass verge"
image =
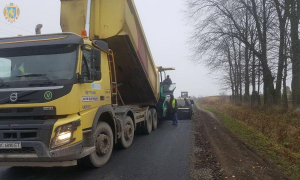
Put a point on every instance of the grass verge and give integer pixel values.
(286, 160)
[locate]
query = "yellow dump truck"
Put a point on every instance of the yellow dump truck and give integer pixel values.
(69, 98)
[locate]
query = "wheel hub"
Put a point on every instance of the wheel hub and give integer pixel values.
(149, 121)
(128, 132)
(103, 144)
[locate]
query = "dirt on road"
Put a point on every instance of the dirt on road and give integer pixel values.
(217, 154)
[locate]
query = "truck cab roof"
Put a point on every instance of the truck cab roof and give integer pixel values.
(40, 40)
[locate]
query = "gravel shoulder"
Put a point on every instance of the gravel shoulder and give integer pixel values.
(217, 154)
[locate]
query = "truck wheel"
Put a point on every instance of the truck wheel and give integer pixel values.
(104, 143)
(154, 119)
(147, 125)
(128, 134)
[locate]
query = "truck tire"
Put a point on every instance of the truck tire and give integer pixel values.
(127, 134)
(154, 119)
(104, 143)
(147, 124)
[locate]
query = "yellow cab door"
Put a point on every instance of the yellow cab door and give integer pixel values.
(95, 90)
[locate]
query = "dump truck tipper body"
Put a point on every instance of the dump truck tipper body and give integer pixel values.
(117, 22)
(67, 98)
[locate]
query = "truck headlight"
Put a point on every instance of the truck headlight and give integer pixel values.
(64, 134)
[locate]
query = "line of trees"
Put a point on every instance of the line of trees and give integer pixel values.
(251, 43)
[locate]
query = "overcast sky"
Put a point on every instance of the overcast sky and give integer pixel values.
(164, 25)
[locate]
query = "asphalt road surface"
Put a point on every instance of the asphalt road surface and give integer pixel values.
(164, 154)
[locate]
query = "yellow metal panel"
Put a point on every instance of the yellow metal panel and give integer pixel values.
(152, 75)
(112, 20)
(131, 26)
(107, 18)
(134, 30)
(88, 118)
(140, 28)
(72, 16)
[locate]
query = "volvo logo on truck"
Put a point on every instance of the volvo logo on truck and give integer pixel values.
(13, 97)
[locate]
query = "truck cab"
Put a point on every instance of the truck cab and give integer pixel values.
(72, 97)
(50, 87)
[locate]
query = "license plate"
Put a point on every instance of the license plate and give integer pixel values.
(10, 145)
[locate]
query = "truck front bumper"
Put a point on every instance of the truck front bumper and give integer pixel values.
(38, 154)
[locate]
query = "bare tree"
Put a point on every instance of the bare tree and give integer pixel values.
(294, 15)
(282, 13)
(254, 41)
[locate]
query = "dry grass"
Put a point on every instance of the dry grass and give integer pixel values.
(275, 123)
(279, 126)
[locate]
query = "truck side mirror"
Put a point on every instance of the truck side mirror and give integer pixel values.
(96, 57)
(98, 75)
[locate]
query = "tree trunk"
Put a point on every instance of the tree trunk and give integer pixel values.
(294, 18)
(281, 57)
(235, 71)
(247, 83)
(267, 79)
(284, 95)
(230, 71)
(240, 71)
(262, 37)
(253, 73)
(280, 66)
(259, 77)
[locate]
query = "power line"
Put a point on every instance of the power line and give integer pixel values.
(8, 32)
(15, 26)
(5, 33)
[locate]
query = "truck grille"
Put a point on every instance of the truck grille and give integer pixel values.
(21, 135)
(24, 110)
(24, 150)
(16, 110)
(5, 111)
(26, 130)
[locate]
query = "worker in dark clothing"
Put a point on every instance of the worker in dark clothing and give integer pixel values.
(174, 108)
(187, 103)
(167, 81)
(169, 114)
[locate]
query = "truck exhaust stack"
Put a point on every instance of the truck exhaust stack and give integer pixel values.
(88, 17)
(38, 29)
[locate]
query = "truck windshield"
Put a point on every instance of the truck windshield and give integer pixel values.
(52, 62)
(169, 89)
